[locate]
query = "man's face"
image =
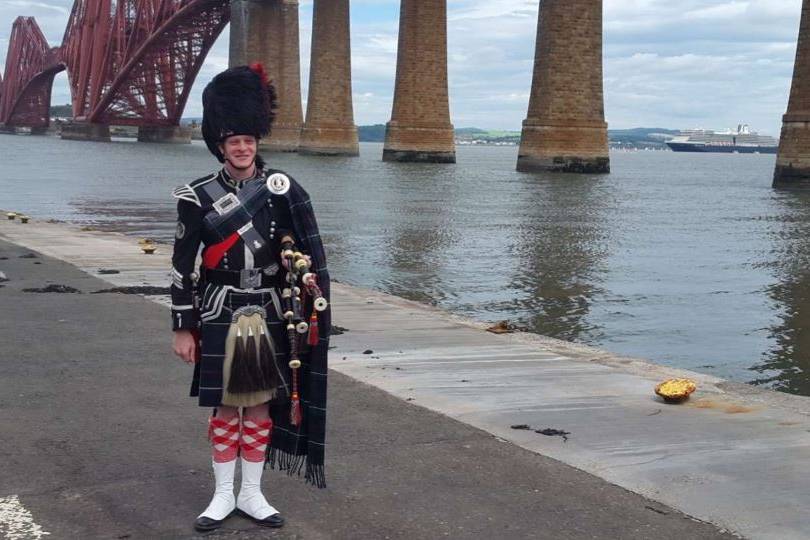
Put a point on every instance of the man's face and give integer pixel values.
(239, 150)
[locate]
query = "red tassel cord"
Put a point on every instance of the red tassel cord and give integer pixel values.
(312, 339)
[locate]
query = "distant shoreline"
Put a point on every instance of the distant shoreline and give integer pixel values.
(619, 139)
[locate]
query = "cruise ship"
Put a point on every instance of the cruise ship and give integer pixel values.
(742, 141)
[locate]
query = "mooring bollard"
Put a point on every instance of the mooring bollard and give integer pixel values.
(147, 246)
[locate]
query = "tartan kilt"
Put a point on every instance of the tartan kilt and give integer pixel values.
(217, 307)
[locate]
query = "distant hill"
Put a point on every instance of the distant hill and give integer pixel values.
(619, 138)
(375, 133)
(470, 131)
(654, 138)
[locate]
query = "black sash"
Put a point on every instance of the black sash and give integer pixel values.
(233, 213)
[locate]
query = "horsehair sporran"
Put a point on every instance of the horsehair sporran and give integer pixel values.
(250, 371)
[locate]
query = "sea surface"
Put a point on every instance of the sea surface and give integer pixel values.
(689, 260)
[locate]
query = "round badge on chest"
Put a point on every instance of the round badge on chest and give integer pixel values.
(278, 184)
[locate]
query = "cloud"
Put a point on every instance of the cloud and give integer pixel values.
(671, 64)
(24, 5)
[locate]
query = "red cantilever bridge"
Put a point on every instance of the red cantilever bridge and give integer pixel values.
(129, 62)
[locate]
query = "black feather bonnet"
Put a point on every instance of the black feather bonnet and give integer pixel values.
(238, 101)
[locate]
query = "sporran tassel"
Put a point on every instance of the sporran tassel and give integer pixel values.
(257, 380)
(267, 361)
(239, 381)
(250, 374)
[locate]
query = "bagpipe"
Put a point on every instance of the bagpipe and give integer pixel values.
(299, 280)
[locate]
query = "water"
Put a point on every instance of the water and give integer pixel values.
(689, 260)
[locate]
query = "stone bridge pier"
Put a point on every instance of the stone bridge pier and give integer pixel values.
(164, 134)
(329, 128)
(793, 160)
(420, 128)
(565, 128)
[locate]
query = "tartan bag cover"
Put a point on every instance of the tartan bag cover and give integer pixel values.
(293, 447)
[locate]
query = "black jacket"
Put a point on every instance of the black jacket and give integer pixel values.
(194, 202)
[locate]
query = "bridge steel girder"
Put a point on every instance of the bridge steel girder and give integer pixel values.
(133, 62)
(153, 85)
(129, 62)
(31, 65)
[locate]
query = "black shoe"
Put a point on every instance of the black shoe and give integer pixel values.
(204, 524)
(275, 521)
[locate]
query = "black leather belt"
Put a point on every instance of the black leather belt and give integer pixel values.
(248, 278)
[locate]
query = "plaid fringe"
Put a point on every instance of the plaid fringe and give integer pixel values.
(314, 474)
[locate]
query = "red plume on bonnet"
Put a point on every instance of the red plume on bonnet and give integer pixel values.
(267, 84)
(258, 69)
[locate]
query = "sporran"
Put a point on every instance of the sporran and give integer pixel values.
(250, 372)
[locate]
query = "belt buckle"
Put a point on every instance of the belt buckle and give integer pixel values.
(250, 278)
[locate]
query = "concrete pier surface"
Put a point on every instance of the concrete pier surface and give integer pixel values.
(733, 456)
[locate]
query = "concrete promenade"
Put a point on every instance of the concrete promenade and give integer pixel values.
(734, 456)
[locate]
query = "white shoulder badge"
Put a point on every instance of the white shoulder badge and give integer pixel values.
(188, 192)
(278, 184)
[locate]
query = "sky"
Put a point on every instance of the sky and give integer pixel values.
(667, 63)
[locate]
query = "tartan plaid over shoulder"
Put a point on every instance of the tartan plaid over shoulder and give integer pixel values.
(291, 448)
